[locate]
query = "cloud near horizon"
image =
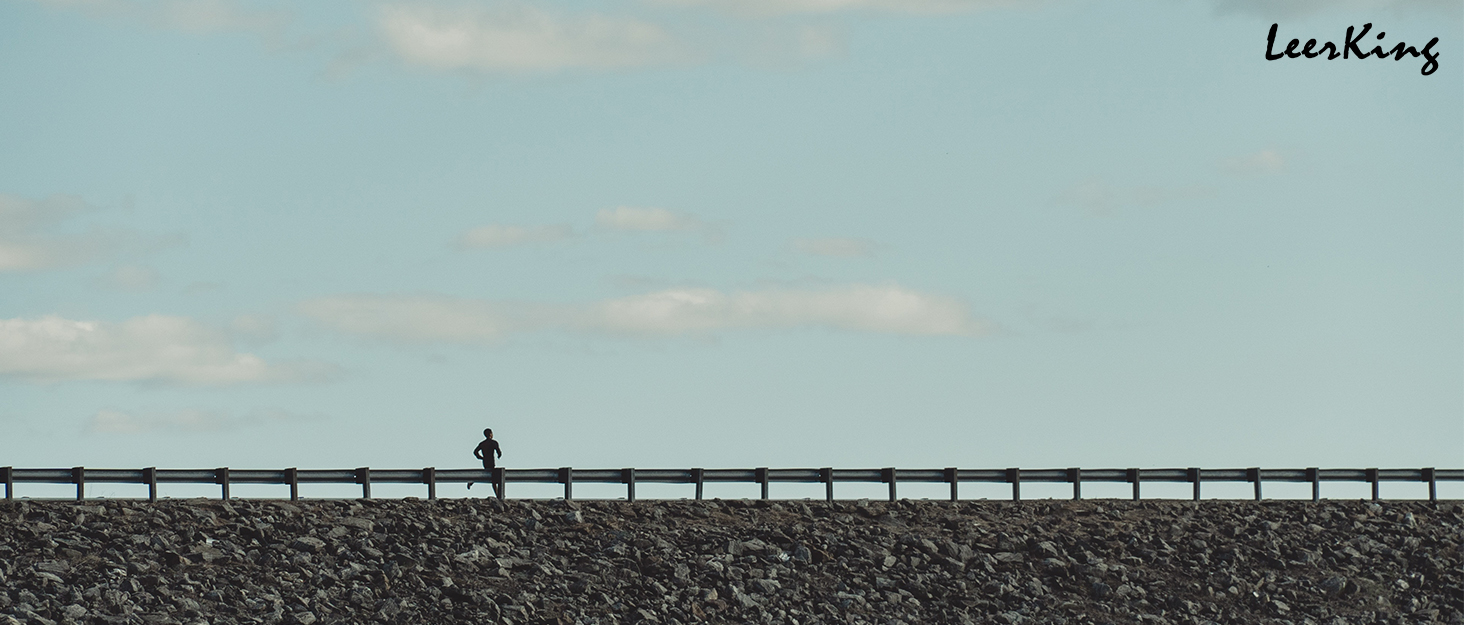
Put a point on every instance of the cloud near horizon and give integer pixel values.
(189, 421)
(502, 235)
(29, 240)
(1256, 164)
(150, 349)
(837, 247)
(517, 37)
(188, 16)
(1100, 198)
(1275, 9)
(815, 7)
(885, 309)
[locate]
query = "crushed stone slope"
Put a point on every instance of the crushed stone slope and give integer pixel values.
(486, 561)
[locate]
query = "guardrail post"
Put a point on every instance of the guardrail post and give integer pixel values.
(363, 477)
(697, 475)
(500, 479)
(221, 477)
(1133, 477)
(78, 475)
(827, 475)
(566, 475)
(627, 475)
(1314, 476)
(6, 473)
(888, 474)
(1372, 476)
(150, 477)
(1014, 475)
(292, 477)
(1075, 475)
(1193, 473)
(1428, 476)
(761, 473)
(953, 476)
(429, 477)
(1253, 474)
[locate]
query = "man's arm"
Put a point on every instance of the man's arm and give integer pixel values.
(478, 451)
(498, 449)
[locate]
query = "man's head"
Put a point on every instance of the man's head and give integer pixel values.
(488, 433)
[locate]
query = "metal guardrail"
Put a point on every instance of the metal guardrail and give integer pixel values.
(500, 477)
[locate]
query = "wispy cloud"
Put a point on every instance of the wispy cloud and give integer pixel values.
(786, 7)
(513, 37)
(500, 235)
(189, 16)
(155, 348)
(1278, 9)
(188, 421)
(836, 247)
(30, 238)
(1256, 164)
(130, 278)
(885, 309)
(1100, 198)
(648, 220)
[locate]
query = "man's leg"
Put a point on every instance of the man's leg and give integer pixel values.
(496, 492)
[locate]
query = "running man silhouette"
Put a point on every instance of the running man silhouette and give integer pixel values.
(485, 451)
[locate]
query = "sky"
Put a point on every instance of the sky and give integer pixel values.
(721, 233)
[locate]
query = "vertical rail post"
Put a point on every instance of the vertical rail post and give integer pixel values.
(888, 475)
(1429, 475)
(761, 473)
(78, 475)
(150, 477)
(221, 476)
(1314, 476)
(698, 476)
(1075, 475)
(627, 475)
(1133, 477)
(1372, 476)
(1253, 474)
(500, 479)
(7, 474)
(566, 475)
(429, 477)
(954, 477)
(1014, 475)
(827, 475)
(292, 477)
(363, 477)
(1194, 478)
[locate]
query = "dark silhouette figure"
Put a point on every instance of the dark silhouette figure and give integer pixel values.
(486, 451)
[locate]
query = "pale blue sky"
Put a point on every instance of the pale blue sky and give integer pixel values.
(696, 233)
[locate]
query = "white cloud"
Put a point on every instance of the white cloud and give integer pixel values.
(119, 422)
(154, 348)
(29, 240)
(189, 16)
(1276, 9)
(1101, 198)
(499, 235)
(785, 7)
(254, 329)
(421, 318)
(1257, 164)
(514, 37)
(837, 247)
(131, 278)
(648, 220)
(886, 309)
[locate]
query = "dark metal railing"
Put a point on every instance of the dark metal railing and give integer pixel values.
(500, 477)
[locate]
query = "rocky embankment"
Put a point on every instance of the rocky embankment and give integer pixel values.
(485, 561)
